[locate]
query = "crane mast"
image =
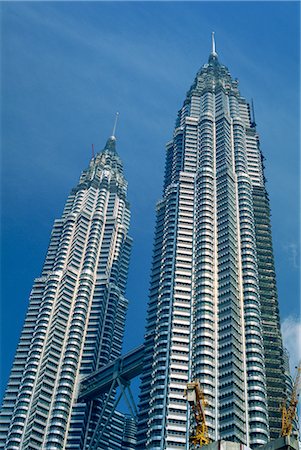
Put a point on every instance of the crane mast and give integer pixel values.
(289, 412)
(196, 399)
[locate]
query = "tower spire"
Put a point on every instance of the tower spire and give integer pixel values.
(111, 142)
(213, 48)
(115, 124)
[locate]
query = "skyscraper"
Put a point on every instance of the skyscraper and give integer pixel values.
(76, 315)
(213, 308)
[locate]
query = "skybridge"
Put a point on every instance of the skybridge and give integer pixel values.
(124, 369)
(105, 380)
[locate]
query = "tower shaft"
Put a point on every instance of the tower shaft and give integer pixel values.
(208, 313)
(76, 315)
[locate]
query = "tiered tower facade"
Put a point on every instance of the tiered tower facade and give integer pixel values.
(76, 315)
(213, 309)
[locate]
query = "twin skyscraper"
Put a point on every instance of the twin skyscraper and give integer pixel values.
(212, 311)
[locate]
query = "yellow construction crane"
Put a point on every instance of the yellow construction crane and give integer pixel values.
(196, 399)
(289, 412)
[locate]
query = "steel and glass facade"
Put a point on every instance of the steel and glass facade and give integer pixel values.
(75, 319)
(213, 309)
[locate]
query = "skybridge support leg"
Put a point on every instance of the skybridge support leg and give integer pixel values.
(101, 427)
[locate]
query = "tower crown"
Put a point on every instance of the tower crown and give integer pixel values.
(111, 144)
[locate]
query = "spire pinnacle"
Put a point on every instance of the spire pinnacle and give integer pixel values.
(213, 49)
(111, 142)
(115, 124)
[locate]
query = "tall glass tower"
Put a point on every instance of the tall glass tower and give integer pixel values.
(76, 315)
(213, 308)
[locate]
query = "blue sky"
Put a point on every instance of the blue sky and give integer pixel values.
(68, 67)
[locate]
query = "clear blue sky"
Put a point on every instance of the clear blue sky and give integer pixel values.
(68, 67)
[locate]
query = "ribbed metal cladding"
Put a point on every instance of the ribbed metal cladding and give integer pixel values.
(212, 277)
(129, 434)
(205, 305)
(76, 316)
(273, 350)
